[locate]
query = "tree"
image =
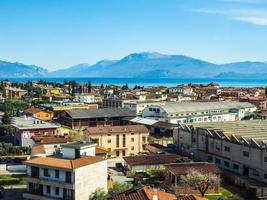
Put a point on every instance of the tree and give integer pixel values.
(6, 119)
(266, 91)
(75, 136)
(199, 180)
(89, 87)
(119, 188)
(98, 194)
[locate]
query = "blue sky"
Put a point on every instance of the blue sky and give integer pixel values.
(60, 33)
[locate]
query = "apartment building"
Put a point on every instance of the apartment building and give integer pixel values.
(72, 176)
(138, 106)
(120, 141)
(84, 98)
(39, 113)
(28, 127)
(199, 112)
(239, 146)
(260, 101)
(14, 93)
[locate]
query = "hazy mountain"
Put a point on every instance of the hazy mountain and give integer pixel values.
(8, 69)
(146, 65)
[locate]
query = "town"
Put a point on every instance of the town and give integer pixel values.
(80, 141)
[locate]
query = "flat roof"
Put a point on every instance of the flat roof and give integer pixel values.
(25, 122)
(78, 144)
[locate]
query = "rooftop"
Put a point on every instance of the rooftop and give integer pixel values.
(25, 122)
(78, 145)
(251, 132)
(184, 168)
(63, 163)
(181, 107)
(151, 159)
(117, 129)
(100, 113)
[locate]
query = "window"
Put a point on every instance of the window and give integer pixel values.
(123, 140)
(265, 176)
(245, 154)
(226, 164)
(236, 166)
(132, 139)
(218, 161)
(117, 153)
(46, 172)
(132, 133)
(57, 191)
(123, 153)
(117, 141)
(265, 159)
(109, 140)
(68, 177)
(255, 172)
(226, 148)
(56, 173)
(210, 158)
(132, 148)
(48, 189)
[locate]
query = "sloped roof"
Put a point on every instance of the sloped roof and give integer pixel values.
(105, 112)
(117, 129)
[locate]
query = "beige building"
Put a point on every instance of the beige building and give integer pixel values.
(239, 146)
(120, 141)
(72, 176)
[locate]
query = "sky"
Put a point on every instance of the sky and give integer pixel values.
(60, 33)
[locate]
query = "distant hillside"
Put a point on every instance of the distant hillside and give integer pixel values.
(8, 70)
(145, 65)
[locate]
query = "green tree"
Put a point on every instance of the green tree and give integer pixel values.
(89, 87)
(98, 194)
(6, 118)
(266, 91)
(119, 188)
(75, 136)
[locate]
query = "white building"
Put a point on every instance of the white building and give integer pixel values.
(72, 176)
(138, 106)
(84, 98)
(199, 112)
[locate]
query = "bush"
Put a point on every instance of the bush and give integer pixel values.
(119, 188)
(11, 180)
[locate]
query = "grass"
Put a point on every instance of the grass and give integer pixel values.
(11, 180)
(225, 194)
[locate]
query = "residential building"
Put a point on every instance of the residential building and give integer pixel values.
(78, 119)
(14, 93)
(40, 114)
(199, 112)
(84, 98)
(59, 107)
(239, 147)
(260, 101)
(120, 141)
(144, 193)
(27, 127)
(112, 103)
(72, 176)
(174, 172)
(149, 162)
(138, 106)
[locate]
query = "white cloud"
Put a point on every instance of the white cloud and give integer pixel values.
(252, 16)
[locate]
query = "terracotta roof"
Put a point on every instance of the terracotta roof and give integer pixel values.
(191, 197)
(100, 150)
(32, 110)
(183, 168)
(151, 159)
(49, 140)
(37, 149)
(117, 129)
(143, 193)
(63, 163)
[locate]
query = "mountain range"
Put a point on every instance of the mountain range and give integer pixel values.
(144, 65)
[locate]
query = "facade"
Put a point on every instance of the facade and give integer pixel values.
(119, 141)
(112, 103)
(78, 119)
(199, 112)
(27, 127)
(239, 147)
(84, 98)
(40, 114)
(260, 102)
(14, 93)
(174, 172)
(74, 176)
(138, 106)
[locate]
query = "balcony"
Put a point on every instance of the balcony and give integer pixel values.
(51, 182)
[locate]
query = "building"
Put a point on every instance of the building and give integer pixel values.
(112, 103)
(72, 176)
(14, 93)
(119, 140)
(174, 172)
(260, 101)
(138, 106)
(144, 193)
(239, 147)
(27, 127)
(84, 98)
(40, 114)
(77, 119)
(149, 162)
(59, 107)
(199, 112)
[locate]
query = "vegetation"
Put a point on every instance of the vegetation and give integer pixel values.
(119, 188)
(75, 136)
(11, 180)
(199, 181)
(8, 148)
(98, 194)
(13, 107)
(183, 159)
